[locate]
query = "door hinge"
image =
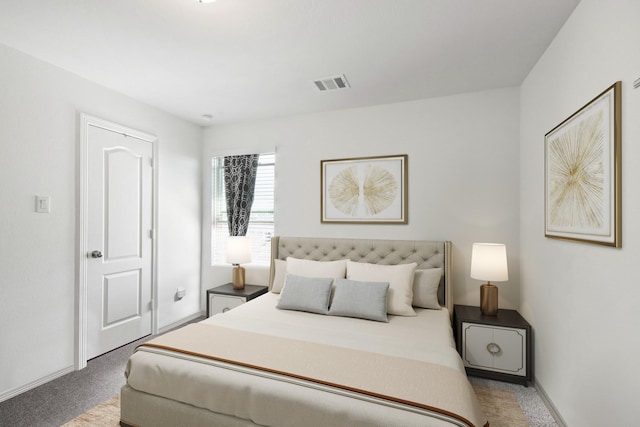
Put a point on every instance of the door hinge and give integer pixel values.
(152, 233)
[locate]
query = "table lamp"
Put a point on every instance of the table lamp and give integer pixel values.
(489, 262)
(238, 252)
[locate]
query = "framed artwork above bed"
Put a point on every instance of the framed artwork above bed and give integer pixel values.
(364, 190)
(582, 173)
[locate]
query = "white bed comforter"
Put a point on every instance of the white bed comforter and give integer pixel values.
(226, 388)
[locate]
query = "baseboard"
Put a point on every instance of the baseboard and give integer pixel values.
(549, 404)
(40, 381)
(180, 322)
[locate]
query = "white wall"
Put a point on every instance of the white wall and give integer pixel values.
(463, 174)
(39, 107)
(582, 299)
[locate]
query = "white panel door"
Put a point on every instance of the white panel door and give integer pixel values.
(119, 239)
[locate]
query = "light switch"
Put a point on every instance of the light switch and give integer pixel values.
(43, 204)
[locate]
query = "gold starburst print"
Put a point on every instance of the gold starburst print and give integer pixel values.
(379, 189)
(576, 176)
(371, 190)
(344, 191)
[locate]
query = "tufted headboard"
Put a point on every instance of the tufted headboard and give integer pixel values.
(426, 253)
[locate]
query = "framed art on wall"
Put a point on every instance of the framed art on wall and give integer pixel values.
(582, 173)
(364, 190)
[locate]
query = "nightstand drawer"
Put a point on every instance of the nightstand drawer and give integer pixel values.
(495, 348)
(225, 297)
(223, 303)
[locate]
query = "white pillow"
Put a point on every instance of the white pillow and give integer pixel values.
(279, 275)
(310, 268)
(425, 288)
(400, 278)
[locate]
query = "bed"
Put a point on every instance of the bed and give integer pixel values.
(348, 351)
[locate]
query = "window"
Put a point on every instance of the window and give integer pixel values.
(261, 224)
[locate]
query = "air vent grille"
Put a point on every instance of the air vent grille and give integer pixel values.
(332, 83)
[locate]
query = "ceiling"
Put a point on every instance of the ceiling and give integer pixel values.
(253, 59)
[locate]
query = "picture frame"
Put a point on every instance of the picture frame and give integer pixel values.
(582, 173)
(364, 190)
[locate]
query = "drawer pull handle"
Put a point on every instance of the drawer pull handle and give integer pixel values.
(494, 348)
(224, 310)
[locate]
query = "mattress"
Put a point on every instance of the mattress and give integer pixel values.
(261, 399)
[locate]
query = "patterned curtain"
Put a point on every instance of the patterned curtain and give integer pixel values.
(239, 183)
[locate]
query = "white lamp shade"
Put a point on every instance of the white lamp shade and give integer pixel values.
(238, 250)
(489, 262)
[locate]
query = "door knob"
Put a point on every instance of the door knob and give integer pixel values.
(96, 254)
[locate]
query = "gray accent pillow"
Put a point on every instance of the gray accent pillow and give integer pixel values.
(306, 294)
(364, 300)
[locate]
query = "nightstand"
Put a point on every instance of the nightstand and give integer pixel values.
(224, 298)
(496, 347)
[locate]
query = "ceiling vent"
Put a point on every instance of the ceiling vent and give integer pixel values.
(332, 83)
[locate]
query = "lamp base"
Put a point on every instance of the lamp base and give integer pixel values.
(237, 277)
(489, 299)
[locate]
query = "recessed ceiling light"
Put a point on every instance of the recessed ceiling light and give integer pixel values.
(205, 1)
(207, 117)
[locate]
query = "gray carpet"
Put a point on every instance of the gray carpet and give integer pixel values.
(63, 399)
